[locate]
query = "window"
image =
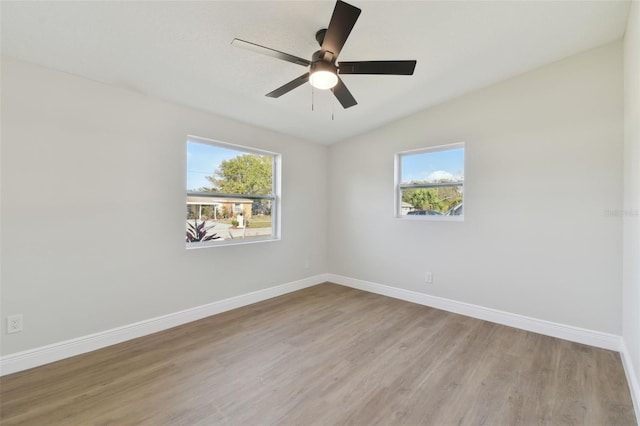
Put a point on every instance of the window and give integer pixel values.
(232, 194)
(430, 183)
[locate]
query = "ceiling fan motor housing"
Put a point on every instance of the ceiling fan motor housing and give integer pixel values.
(322, 65)
(323, 56)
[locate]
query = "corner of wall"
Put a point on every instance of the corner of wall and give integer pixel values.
(631, 207)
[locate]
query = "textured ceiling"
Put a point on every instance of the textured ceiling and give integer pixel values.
(180, 51)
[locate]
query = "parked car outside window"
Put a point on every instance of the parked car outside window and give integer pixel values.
(456, 211)
(424, 213)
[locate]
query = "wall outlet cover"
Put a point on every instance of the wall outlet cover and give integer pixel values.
(14, 323)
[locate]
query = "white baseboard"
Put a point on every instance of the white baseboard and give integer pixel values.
(632, 378)
(46, 354)
(548, 328)
(43, 355)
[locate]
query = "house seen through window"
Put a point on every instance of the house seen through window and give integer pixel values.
(430, 183)
(232, 194)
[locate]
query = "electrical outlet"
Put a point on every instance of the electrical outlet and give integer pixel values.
(14, 323)
(428, 277)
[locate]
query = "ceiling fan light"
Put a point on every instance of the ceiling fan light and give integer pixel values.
(323, 80)
(324, 74)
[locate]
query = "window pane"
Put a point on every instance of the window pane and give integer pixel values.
(218, 169)
(440, 201)
(435, 166)
(220, 224)
(230, 194)
(431, 182)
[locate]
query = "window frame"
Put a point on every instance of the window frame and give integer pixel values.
(399, 186)
(275, 197)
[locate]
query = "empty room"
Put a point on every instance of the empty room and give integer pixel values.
(320, 212)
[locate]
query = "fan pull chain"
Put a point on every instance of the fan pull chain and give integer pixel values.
(312, 92)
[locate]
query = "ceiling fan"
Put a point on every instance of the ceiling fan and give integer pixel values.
(323, 69)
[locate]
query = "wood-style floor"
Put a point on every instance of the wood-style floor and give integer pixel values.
(328, 355)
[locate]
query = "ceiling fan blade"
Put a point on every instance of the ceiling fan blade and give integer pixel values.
(344, 95)
(342, 21)
(289, 86)
(378, 67)
(269, 52)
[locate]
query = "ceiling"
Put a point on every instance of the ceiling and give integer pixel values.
(180, 51)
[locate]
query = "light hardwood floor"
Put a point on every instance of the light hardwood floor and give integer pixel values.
(328, 355)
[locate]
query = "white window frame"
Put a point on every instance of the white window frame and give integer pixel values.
(398, 186)
(275, 196)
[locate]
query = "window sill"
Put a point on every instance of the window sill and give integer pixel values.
(428, 218)
(230, 242)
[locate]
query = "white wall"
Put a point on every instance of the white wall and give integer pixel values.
(93, 207)
(90, 173)
(631, 221)
(544, 165)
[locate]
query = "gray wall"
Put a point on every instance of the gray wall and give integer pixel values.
(543, 168)
(631, 231)
(93, 209)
